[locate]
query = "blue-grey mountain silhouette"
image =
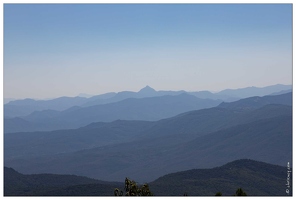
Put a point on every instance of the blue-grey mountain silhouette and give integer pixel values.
(195, 139)
(149, 108)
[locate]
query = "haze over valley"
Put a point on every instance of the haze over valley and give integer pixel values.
(147, 99)
(144, 137)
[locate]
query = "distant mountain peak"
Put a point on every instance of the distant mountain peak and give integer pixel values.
(147, 89)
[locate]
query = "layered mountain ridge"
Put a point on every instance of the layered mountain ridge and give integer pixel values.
(20, 108)
(195, 139)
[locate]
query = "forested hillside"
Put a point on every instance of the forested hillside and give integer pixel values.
(256, 179)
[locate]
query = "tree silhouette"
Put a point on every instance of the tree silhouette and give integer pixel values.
(240, 192)
(131, 189)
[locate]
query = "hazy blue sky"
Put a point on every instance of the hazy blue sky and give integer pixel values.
(63, 50)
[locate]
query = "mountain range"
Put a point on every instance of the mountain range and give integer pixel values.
(69, 113)
(256, 179)
(149, 109)
(21, 108)
(198, 143)
(258, 128)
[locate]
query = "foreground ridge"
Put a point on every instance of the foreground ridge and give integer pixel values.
(256, 178)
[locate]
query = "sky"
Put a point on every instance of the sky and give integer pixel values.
(53, 50)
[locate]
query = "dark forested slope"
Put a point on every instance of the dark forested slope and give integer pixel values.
(255, 178)
(16, 184)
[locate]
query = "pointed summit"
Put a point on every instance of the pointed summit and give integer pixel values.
(147, 90)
